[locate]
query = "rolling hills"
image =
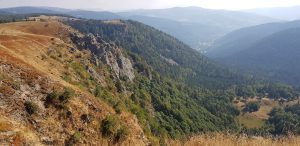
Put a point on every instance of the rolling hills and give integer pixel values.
(242, 39)
(103, 15)
(270, 50)
(68, 81)
(28, 10)
(207, 24)
(195, 26)
(221, 18)
(194, 34)
(283, 13)
(275, 56)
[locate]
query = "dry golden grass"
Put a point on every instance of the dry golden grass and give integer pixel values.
(293, 102)
(220, 139)
(22, 46)
(5, 126)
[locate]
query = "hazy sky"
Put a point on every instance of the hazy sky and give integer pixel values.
(150, 4)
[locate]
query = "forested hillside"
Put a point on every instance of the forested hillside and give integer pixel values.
(269, 50)
(222, 18)
(198, 36)
(162, 62)
(244, 38)
(114, 82)
(164, 53)
(180, 84)
(195, 26)
(89, 70)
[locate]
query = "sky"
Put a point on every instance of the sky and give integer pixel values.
(151, 4)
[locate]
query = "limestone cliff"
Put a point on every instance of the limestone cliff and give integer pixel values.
(108, 53)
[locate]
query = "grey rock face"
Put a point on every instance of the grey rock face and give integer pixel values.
(110, 54)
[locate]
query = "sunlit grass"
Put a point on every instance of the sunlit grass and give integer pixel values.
(250, 121)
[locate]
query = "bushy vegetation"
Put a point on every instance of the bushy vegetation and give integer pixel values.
(285, 121)
(59, 99)
(267, 89)
(112, 128)
(178, 109)
(73, 139)
(282, 121)
(277, 91)
(122, 134)
(109, 126)
(31, 108)
(77, 74)
(252, 107)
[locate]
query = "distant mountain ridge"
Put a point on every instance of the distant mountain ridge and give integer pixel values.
(271, 50)
(194, 34)
(103, 15)
(204, 26)
(231, 19)
(284, 13)
(195, 26)
(242, 39)
(27, 10)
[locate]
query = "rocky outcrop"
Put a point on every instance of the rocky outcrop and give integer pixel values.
(109, 53)
(34, 109)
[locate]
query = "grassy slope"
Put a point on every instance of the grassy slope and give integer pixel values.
(257, 119)
(24, 47)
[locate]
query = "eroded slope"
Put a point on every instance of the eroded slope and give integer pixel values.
(39, 61)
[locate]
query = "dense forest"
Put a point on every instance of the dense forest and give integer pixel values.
(178, 91)
(6, 17)
(164, 53)
(285, 120)
(274, 57)
(179, 108)
(268, 50)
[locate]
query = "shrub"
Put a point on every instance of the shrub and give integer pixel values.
(284, 122)
(66, 95)
(85, 118)
(252, 107)
(112, 128)
(118, 108)
(109, 126)
(121, 134)
(51, 99)
(75, 138)
(59, 99)
(97, 91)
(119, 86)
(31, 108)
